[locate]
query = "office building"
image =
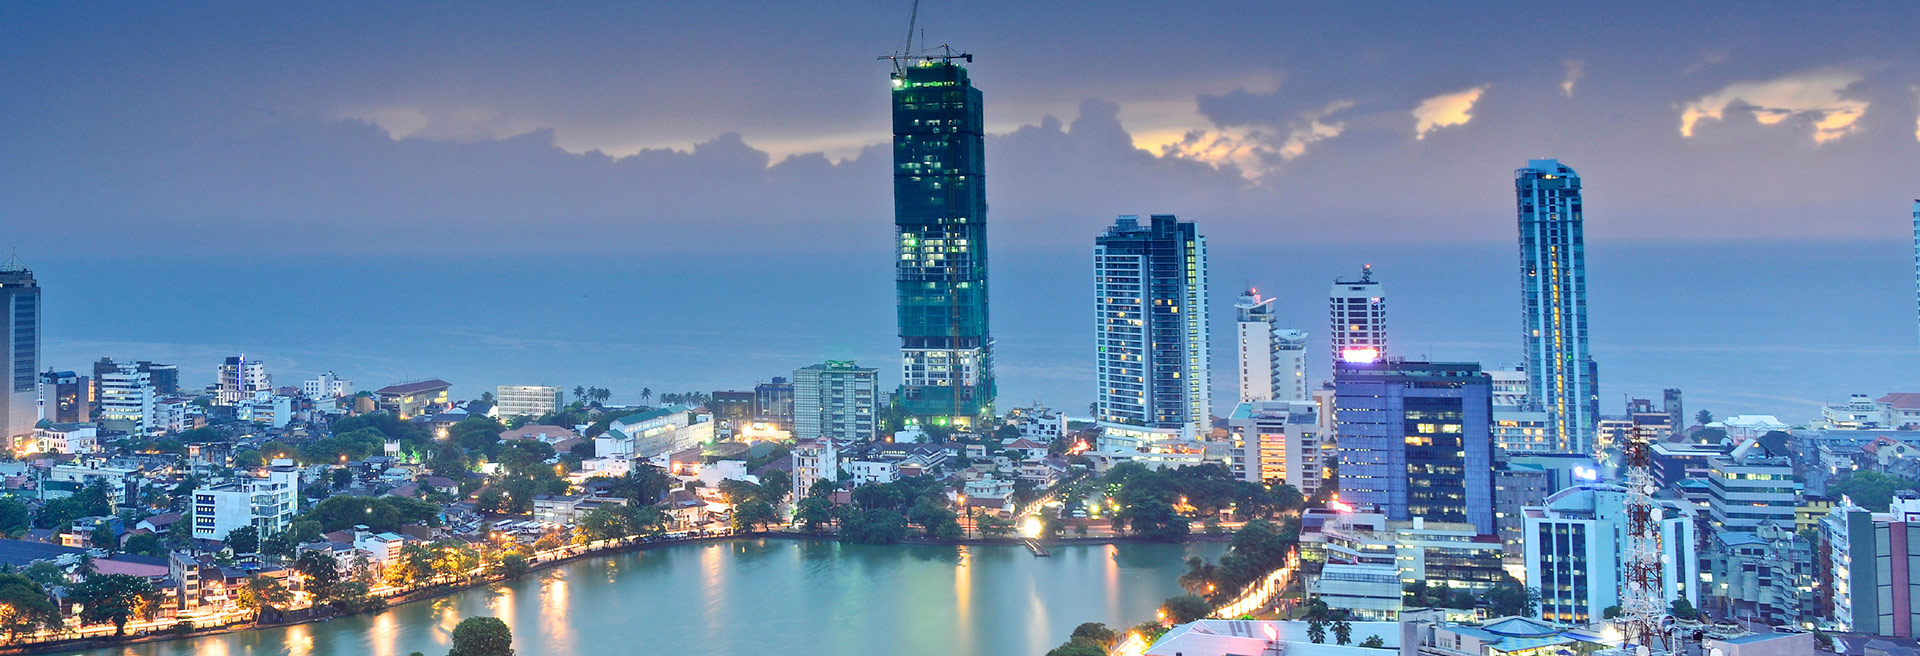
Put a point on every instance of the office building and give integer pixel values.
(1357, 318)
(1752, 485)
(165, 377)
(1765, 575)
(773, 403)
(326, 386)
(126, 401)
(940, 229)
(239, 378)
(1868, 569)
(1553, 301)
(1574, 546)
(1368, 560)
(1516, 429)
(408, 400)
(66, 397)
(1150, 325)
(1415, 440)
(19, 351)
(1277, 442)
(527, 400)
(838, 400)
(266, 502)
(1916, 247)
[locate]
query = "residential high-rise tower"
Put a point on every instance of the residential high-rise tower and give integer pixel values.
(1150, 325)
(19, 351)
(940, 231)
(1257, 347)
(1553, 299)
(1357, 318)
(837, 400)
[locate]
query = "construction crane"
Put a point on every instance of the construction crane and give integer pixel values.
(907, 56)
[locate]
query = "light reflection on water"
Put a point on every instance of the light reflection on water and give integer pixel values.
(764, 596)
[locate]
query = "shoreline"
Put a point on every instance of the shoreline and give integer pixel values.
(435, 592)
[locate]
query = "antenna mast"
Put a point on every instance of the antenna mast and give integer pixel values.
(906, 56)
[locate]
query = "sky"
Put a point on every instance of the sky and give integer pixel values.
(349, 128)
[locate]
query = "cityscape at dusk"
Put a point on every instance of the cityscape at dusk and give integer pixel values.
(960, 327)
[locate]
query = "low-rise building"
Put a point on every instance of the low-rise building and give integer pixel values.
(266, 501)
(1277, 442)
(1574, 546)
(527, 400)
(872, 471)
(409, 400)
(813, 460)
(67, 438)
(1766, 574)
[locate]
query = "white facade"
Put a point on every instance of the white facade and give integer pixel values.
(880, 472)
(126, 401)
(326, 386)
(813, 460)
(1277, 442)
(1254, 343)
(1574, 546)
(1522, 431)
(1357, 317)
(266, 502)
(526, 400)
(1859, 412)
(1151, 326)
(174, 415)
(1290, 364)
(67, 438)
(239, 378)
(265, 408)
(837, 400)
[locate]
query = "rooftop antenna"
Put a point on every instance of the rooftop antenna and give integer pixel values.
(907, 55)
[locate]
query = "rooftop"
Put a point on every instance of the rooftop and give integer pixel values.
(403, 389)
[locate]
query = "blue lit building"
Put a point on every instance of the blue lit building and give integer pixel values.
(1561, 376)
(1150, 326)
(1416, 440)
(19, 352)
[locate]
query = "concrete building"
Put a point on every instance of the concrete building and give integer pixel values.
(239, 378)
(1278, 442)
(326, 386)
(1516, 429)
(266, 501)
(1750, 486)
(1368, 560)
(127, 400)
(527, 400)
(1869, 569)
(19, 351)
(74, 437)
(773, 403)
(1575, 545)
(1766, 575)
(66, 397)
(1151, 327)
(265, 408)
(408, 400)
(1290, 359)
(1357, 318)
(838, 400)
(1561, 375)
(813, 461)
(176, 414)
(670, 429)
(1415, 440)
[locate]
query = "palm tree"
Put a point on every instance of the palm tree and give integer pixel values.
(579, 392)
(602, 394)
(645, 393)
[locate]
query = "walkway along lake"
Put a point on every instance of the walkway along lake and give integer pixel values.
(761, 596)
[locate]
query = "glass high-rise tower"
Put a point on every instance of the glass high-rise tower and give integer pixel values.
(1561, 376)
(940, 229)
(19, 351)
(1150, 325)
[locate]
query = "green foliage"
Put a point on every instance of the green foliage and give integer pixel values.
(377, 513)
(343, 447)
(482, 636)
(24, 606)
(111, 598)
(14, 517)
(753, 514)
(1186, 608)
(1374, 642)
(1078, 648)
(993, 525)
(1512, 597)
(1342, 630)
(816, 511)
(1095, 632)
(92, 500)
(513, 565)
(1682, 609)
(1703, 417)
(873, 526)
(245, 539)
(1419, 594)
(1611, 612)
(102, 537)
(1870, 490)
(45, 573)
(321, 572)
(145, 544)
(1317, 630)
(936, 520)
(610, 521)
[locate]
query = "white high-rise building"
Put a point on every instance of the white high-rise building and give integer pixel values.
(837, 400)
(1574, 546)
(1357, 318)
(1290, 364)
(1150, 326)
(1259, 359)
(1916, 248)
(19, 352)
(526, 400)
(813, 461)
(326, 386)
(126, 401)
(239, 378)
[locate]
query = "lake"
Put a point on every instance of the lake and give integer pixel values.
(756, 597)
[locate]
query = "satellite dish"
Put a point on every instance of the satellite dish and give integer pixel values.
(1657, 514)
(1650, 490)
(1666, 623)
(1716, 652)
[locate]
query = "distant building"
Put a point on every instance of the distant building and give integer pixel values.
(175, 414)
(72, 437)
(20, 327)
(66, 396)
(813, 461)
(732, 408)
(1574, 546)
(1368, 561)
(773, 402)
(1766, 574)
(327, 386)
(1277, 442)
(1752, 485)
(1150, 326)
(266, 502)
(1259, 358)
(1357, 318)
(1561, 374)
(1515, 428)
(127, 400)
(527, 400)
(1415, 441)
(1868, 567)
(837, 400)
(239, 378)
(408, 400)
(268, 409)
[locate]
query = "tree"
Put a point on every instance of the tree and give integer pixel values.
(245, 539)
(1823, 640)
(753, 515)
(111, 598)
(1871, 490)
(45, 573)
(645, 394)
(322, 574)
(102, 537)
(993, 525)
(263, 593)
(1512, 598)
(1611, 612)
(513, 565)
(1703, 417)
(814, 512)
(1186, 608)
(24, 606)
(1681, 609)
(1095, 632)
(482, 636)
(1078, 648)
(1342, 630)
(1374, 642)
(1317, 630)
(580, 392)
(14, 518)
(146, 544)
(1199, 577)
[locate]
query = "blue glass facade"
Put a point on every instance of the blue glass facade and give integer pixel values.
(1561, 376)
(1415, 440)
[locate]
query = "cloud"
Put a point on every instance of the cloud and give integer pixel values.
(1445, 109)
(459, 124)
(1576, 69)
(1812, 98)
